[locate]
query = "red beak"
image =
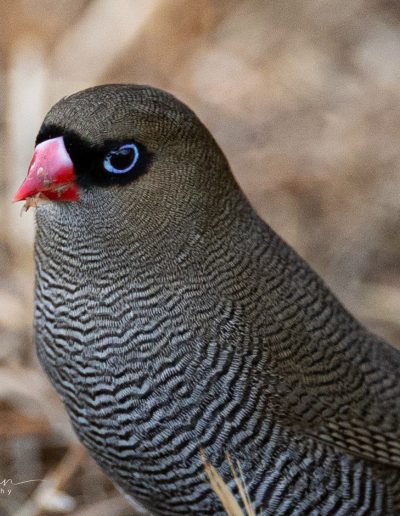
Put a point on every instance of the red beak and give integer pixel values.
(51, 174)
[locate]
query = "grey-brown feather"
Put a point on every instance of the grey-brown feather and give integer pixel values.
(171, 318)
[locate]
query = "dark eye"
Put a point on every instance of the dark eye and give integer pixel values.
(121, 160)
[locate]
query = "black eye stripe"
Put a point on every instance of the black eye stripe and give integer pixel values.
(88, 157)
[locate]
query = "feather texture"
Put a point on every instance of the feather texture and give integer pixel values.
(170, 319)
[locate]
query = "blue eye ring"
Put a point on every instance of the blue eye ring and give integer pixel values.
(124, 150)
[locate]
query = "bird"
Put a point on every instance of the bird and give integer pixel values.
(173, 321)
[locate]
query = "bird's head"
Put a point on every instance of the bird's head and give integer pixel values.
(120, 145)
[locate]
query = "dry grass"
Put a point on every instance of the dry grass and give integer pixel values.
(223, 491)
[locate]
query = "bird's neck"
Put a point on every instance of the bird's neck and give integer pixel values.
(99, 229)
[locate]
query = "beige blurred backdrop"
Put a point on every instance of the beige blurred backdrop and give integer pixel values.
(304, 98)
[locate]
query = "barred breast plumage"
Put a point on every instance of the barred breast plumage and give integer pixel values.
(170, 318)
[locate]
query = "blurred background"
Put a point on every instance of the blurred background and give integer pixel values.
(304, 98)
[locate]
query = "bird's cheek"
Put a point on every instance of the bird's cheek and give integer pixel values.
(51, 174)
